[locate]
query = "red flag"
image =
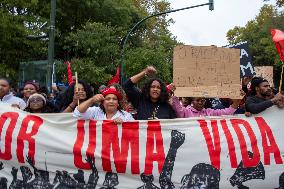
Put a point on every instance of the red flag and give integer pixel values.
(69, 72)
(278, 39)
(115, 78)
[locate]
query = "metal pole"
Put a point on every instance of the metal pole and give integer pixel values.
(51, 44)
(211, 7)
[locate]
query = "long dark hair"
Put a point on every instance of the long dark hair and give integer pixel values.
(164, 96)
(69, 93)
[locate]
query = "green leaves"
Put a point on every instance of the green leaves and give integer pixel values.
(89, 33)
(257, 33)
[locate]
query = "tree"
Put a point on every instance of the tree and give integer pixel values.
(89, 33)
(257, 33)
(279, 3)
(16, 25)
(99, 43)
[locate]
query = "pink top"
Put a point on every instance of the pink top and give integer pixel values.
(189, 111)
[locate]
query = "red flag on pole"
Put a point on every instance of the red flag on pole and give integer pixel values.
(115, 78)
(69, 72)
(278, 39)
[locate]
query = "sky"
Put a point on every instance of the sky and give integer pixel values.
(202, 27)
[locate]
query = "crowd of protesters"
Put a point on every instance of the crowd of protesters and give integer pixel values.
(155, 100)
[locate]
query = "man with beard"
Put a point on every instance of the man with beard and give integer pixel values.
(260, 96)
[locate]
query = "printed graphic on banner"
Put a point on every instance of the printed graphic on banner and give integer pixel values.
(57, 151)
(246, 65)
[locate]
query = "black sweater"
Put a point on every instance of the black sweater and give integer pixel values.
(256, 104)
(146, 107)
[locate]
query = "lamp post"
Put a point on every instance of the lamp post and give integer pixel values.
(211, 7)
(51, 44)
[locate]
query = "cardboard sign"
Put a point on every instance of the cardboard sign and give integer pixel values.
(246, 65)
(266, 72)
(206, 71)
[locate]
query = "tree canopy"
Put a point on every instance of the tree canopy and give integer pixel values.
(89, 33)
(257, 33)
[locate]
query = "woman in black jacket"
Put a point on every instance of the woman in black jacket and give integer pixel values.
(153, 101)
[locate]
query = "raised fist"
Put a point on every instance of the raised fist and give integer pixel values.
(150, 70)
(30, 161)
(177, 139)
(98, 98)
(14, 172)
(91, 161)
(1, 165)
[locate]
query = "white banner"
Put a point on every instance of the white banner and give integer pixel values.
(58, 151)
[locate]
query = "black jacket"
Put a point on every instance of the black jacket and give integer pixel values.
(146, 109)
(256, 104)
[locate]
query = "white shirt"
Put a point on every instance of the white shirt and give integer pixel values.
(11, 99)
(98, 114)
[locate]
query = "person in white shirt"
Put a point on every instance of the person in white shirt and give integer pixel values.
(7, 97)
(109, 108)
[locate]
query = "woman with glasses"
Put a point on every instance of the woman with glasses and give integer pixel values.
(37, 104)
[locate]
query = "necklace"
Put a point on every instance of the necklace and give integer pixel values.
(154, 113)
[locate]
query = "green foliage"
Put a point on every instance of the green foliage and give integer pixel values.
(16, 25)
(6, 71)
(257, 33)
(97, 41)
(89, 34)
(87, 70)
(139, 58)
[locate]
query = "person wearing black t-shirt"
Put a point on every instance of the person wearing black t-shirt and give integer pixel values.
(153, 101)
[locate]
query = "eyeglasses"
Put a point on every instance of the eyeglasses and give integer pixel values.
(33, 100)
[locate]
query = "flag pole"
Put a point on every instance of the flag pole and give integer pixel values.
(76, 76)
(280, 85)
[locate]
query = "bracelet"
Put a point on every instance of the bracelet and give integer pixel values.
(72, 108)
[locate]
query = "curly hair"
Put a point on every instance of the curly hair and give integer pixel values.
(164, 95)
(33, 84)
(69, 93)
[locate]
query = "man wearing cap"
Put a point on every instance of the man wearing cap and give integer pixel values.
(7, 97)
(260, 96)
